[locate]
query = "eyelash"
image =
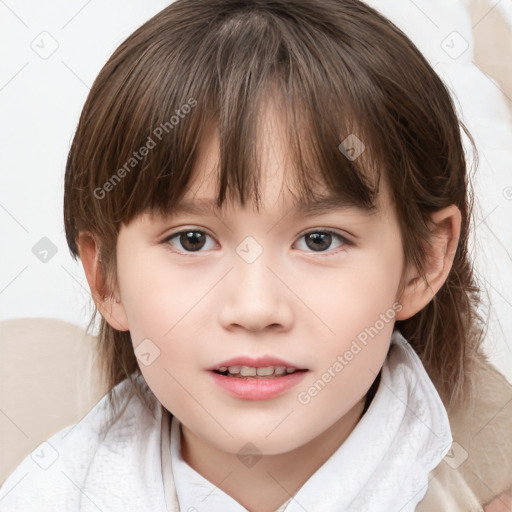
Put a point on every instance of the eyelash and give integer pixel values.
(344, 242)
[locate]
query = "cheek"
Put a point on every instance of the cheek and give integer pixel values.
(153, 294)
(158, 305)
(355, 295)
(160, 302)
(356, 304)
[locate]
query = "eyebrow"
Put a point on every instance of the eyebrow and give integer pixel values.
(311, 208)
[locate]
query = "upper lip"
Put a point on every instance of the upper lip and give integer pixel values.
(255, 362)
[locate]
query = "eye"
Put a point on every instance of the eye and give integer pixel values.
(191, 240)
(320, 240)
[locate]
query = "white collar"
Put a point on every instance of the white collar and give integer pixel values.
(384, 463)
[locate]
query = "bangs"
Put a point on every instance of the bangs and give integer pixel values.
(318, 165)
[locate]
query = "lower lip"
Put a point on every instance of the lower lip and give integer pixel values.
(257, 388)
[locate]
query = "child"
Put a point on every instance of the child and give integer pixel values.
(255, 371)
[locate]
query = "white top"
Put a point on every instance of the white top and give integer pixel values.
(135, 464)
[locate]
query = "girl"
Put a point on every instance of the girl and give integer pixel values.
(271, 205)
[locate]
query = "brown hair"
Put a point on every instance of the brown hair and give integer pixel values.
(338, 68)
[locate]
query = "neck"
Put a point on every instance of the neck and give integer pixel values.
(275, 478)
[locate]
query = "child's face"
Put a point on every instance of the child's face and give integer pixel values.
(320, 304)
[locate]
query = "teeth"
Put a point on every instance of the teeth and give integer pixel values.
(264, 372)
(249, 371)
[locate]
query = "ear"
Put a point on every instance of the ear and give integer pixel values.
(107, 304)
(440, 251)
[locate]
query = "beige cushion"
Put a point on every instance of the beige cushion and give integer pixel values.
(493, 43)
(48, 380)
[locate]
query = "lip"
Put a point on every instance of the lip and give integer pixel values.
(255, 362)
(250, 388)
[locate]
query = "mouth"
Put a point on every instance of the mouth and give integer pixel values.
(260, 378)
(254, 386)
(251, 372)
(263, 367)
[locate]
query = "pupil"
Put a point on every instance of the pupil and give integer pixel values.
(319, 237)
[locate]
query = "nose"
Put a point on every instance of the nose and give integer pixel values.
(254, 297)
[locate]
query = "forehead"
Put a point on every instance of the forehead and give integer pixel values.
(277, 175)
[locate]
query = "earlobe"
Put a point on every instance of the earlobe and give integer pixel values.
(440, 253)
(107, 304)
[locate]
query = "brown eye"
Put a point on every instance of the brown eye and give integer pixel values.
(318, 241)
(187, 241)
(321, 240)
(192, 240)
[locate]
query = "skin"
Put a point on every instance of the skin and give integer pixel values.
(301, 305)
